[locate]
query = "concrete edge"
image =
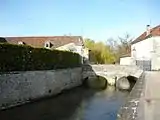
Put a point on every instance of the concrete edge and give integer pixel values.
(128, 111)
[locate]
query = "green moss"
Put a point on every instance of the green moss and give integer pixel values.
(23, 58)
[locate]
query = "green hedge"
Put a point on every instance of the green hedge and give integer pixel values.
(24, 58)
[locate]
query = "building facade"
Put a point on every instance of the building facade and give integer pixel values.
(145, 50)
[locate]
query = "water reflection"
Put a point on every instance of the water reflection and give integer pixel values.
(77, 104)
(101, 106)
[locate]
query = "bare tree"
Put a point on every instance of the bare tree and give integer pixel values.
(120, 46)
(125, 44)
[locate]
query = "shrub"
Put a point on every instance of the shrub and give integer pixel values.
(24, 58)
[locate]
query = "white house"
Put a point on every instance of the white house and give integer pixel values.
(145, 50)
(83, 51)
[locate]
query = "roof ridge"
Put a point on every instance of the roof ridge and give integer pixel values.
(39, 36)
(143, 35)
(37, 41)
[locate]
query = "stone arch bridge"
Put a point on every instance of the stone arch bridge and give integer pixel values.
(114, 74)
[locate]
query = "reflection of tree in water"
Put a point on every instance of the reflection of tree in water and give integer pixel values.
(103, 105)
(80, 111)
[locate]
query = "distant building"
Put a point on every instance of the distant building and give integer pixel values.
(68, 43)
(145, 50)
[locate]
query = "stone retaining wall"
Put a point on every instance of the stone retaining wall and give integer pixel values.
(129, 110)
(20, 87)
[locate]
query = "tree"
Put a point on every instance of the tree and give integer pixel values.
(109, 52)
(121, 46)
(125, 44)
(100, 53)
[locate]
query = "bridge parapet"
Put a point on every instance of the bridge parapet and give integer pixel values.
(113, 69)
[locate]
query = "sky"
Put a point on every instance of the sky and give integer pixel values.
(94, 19)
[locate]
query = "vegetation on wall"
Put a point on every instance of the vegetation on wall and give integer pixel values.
(22, 58)
(109, 51)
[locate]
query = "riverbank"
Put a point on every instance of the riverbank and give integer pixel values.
(17, 88)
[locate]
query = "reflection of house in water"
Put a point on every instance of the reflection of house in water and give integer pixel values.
(68, 43)
(145, 50)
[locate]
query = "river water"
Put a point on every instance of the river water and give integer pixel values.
(77, 104)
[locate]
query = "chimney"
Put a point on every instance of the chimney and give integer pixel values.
(148, 30)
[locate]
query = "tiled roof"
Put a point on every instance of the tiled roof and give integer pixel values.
(154, 32)
(39, 41)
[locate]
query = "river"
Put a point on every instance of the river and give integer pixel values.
(79, 103)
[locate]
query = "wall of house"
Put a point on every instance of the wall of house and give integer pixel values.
(148, 49)
(86, 55)
(21, 87)
(143, 49)
(68, 47)
(72, 47)
(127, 61)
(156, 54)
(78, 49)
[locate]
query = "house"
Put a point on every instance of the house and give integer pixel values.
(145, 50)
(69, 43)
(126, 60)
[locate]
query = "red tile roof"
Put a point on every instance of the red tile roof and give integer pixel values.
(39, 41)
(154, 32)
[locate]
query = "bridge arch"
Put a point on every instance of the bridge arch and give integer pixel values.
(132, 80)
(126, 82)
(95, 82)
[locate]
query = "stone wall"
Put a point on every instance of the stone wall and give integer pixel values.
(111, 72)
(129, 110)
(21, 87)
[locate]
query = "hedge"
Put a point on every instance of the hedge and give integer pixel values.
(25, 58)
